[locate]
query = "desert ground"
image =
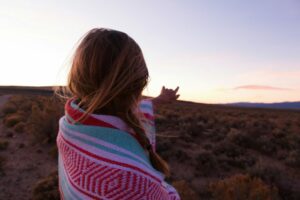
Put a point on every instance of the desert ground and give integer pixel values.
(215, 152)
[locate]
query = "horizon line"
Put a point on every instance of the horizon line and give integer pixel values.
(48, 90)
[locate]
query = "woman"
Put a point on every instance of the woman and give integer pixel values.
(106, 139)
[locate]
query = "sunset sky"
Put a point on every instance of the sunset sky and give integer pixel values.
(217, 51)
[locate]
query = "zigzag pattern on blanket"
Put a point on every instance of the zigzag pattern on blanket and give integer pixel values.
(103, 163)
(99, 181)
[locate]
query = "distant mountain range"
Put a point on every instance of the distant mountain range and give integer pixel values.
(281, 105)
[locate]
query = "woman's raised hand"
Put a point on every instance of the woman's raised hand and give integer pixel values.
(166, 96)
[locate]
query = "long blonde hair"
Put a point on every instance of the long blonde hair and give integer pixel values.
(107, 76)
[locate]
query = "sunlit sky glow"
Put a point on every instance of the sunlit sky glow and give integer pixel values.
(217, 51)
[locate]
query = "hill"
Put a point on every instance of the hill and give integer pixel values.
(281, 105)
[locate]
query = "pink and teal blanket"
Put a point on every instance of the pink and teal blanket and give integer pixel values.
(99, 158)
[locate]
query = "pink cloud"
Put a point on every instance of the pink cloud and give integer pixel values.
(260, 87)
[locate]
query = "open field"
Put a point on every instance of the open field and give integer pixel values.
(215, 152)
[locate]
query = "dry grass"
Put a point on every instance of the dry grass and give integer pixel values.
(214, 146)
(46, 188)
(2, 163)
(3, 144)
(13, 119)
(243, 187)
(184, 190)
(9, 108)
(218, 141)
(20, 127)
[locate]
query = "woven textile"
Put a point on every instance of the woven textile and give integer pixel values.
(100, 158)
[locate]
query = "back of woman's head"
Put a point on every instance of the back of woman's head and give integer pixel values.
(107, 76)
(108, 69)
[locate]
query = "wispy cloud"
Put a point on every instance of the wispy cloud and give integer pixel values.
(260, 87)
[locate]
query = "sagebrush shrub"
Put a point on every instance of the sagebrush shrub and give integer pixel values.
(38, 116)
(47, 188)
(2, 163)
(42, 123)
(9, 108)
(185, 191)
(12, 119)
(293, 159)
(243, 187)
(206, 163)
(3, 144)
(19, 128)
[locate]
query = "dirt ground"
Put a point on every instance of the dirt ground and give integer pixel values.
(24, 164)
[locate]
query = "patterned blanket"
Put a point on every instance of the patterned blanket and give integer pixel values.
(100, 159)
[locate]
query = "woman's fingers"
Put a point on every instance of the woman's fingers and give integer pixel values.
(170, 90)
(169, 94)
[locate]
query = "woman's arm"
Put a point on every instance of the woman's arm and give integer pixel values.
(147, 106)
